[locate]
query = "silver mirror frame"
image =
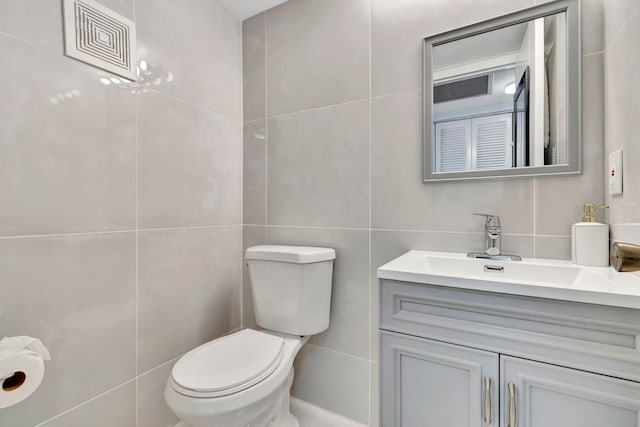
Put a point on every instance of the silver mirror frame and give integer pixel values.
(574, 93)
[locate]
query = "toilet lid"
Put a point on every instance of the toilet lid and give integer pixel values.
(229, 364)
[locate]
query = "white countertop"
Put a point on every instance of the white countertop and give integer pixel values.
(593, 285)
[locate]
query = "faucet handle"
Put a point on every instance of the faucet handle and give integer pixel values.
(492, 220)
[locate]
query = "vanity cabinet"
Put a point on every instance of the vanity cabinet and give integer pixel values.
(465, 358)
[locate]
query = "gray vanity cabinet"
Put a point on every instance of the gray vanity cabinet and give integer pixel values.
(551, 396)
(429, 383)
(466, 358)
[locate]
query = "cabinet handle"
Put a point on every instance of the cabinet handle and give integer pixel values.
(487, 400)
(512, 405)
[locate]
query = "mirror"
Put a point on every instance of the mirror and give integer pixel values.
(501, 98)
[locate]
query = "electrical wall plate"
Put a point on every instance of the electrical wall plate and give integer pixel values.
(615, 172)
(100, 37)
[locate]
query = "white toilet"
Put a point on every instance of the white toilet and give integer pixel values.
(243, 379)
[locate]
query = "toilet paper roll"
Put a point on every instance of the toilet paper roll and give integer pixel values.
(20, 374)
(21, 368)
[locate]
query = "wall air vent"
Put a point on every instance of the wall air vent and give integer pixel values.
(98, 36)
(460, 89)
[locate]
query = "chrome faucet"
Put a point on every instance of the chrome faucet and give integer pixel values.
(493, 240)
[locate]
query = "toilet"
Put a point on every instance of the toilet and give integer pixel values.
(243, 379)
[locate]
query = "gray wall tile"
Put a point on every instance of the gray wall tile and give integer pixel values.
(318, 167)
(76, 293)
(194, 53)
(115, 408)
(254, 183)
(622, 107)
(253, 68)
(333, 381)
(317, 54)
(63, 170)
(189, 165)
(152, 408)
(553, 247)
(189, 282)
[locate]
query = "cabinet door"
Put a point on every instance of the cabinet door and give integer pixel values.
(544, 395)
(427, 383)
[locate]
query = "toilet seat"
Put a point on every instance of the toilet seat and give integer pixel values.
(227, 365)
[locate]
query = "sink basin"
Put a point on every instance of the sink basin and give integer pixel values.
(452, 265)
(531, 277)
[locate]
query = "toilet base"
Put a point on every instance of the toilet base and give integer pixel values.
(268, 414)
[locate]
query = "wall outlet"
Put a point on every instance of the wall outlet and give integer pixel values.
(615, 172)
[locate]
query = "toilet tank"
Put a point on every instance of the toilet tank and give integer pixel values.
(291, 287)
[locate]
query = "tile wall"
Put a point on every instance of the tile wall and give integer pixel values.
(120, 221)
(332, 146)
(622, 105)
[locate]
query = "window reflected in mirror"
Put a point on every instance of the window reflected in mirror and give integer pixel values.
(500, 98)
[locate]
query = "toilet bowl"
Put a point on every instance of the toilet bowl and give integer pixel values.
(259, 399)
(243, 379)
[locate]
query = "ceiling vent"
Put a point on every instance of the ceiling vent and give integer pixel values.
(460, 89)
(98, 36)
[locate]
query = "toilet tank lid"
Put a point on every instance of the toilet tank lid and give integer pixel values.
(292, 254)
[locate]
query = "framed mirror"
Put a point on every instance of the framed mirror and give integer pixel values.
(502, 98)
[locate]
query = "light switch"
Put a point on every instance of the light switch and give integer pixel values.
(615, 172)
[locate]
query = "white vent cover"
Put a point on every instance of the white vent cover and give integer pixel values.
(98, 36)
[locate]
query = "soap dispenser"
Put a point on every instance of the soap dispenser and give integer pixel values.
(590, 239)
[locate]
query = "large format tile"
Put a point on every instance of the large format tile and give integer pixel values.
(253, 68)
(252, 235)
(349, 324)
(115, 408)
(374, 405)
(399, 198)
(622, 109)
(40, 21)
(189, 282)
(553, 247)
(76, 293)
(317, 54)
(254, 191)
(152, 408)
(67, 146)
(616, 14)
(193, 51)
(333, 381)
(398, 27)
(593, 33)
(318, 167)
(559, 199)
(189, 165)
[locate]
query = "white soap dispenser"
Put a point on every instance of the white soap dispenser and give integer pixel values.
(590, 239)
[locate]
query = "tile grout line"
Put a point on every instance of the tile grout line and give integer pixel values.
(266, 127)
(132, 230)
(42, 424)
(369, 287)
(196, 106)
(316, 227)
(137, 255)
(241, 165)
(318, 108)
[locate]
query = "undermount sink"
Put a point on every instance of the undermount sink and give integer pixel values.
(532, 277)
